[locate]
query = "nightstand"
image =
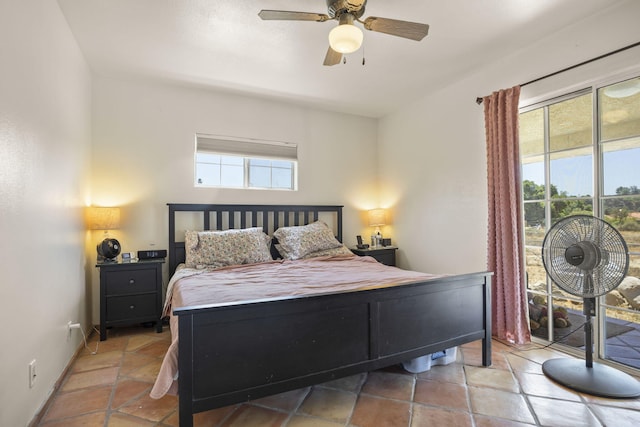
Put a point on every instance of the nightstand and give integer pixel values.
(130, 292)
(383, 254)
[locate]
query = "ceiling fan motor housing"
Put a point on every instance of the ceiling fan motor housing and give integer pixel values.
(337, 7)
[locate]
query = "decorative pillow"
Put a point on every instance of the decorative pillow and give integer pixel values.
(340, 250)
(298, 241)
(230, 247)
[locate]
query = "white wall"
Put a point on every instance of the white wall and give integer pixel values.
(432, 153)
(45, 92)
(143, 154)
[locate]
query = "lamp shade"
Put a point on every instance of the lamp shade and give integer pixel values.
(377, 217)
(99, 218)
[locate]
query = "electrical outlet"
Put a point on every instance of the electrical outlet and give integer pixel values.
(70, 327)
(32, 373)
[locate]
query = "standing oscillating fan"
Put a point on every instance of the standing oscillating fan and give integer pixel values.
(587, 257)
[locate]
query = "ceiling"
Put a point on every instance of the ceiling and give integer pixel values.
(224, 45)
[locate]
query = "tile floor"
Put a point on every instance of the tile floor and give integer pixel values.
(111, 389)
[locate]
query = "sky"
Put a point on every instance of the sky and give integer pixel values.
(574, 174)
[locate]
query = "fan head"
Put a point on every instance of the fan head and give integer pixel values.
(108, 250)
(585, 256)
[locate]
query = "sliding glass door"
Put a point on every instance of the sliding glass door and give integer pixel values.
(580, 154)
(619, 144)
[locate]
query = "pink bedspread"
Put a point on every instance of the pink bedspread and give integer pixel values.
(276, 279)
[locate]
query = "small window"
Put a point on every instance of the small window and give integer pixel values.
(238, 163)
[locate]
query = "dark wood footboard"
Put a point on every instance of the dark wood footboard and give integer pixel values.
(231, 353)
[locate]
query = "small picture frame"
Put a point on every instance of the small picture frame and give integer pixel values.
(126, 256)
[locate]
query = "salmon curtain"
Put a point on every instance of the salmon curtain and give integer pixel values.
(505, 240)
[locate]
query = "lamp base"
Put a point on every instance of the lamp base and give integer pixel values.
(599, 380)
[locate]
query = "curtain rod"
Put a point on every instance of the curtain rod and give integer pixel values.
(479, 99)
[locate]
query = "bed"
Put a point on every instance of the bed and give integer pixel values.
(231, 351)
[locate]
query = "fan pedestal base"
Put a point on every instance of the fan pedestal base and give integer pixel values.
(599, 380)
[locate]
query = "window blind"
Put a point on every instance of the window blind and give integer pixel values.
(246, 148)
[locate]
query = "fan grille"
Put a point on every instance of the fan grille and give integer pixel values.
(605, 255)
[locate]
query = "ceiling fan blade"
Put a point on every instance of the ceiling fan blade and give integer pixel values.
(332, 57)
(406, 29)
(285, 15)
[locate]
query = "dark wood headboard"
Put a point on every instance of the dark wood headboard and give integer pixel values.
(225, 217)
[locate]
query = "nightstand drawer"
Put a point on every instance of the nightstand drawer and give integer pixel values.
(384, 254)
(387, 258)
(131, 307)
(130, 281)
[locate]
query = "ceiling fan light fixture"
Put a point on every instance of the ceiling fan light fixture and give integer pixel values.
(346, 37)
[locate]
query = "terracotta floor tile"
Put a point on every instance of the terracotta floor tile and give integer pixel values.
(289, 401)
(500, 404)
(352, 383)
(473, 357)
(483, 421)
(111, 344)
(373, 411)
(134, 361)
(494, 378)
(499, 346)
(138, 341)
(540, 385)
(147, 372)
(89, 420)
(151, 409)
(304, 421)
(604, 401)
(98, 377)
(451, 373)
(111, 389)
(123, 420)
(542, 355)
(617, 416)
(78, 403)
(157, 348)
(97, 361)
(202, 419)
(473, 344)
(253, 416)
(520, 363)
(562, 412)
(425, 416)
(447, 395)
(330, 404)
(211, 418)
(126, 390)
(392, 386)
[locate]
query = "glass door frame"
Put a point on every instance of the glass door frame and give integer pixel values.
(599, 330)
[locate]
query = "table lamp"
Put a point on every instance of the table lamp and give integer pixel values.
(101, 218)
(377, 217)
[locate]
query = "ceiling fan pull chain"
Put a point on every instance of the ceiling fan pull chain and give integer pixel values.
(363, 54)
(344, 59)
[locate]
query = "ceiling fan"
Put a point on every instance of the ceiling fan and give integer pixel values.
(346, 37)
